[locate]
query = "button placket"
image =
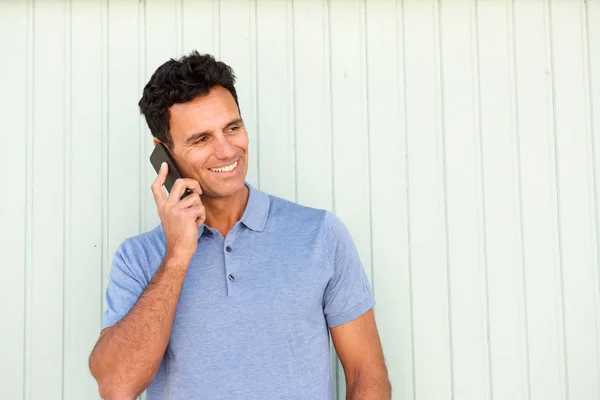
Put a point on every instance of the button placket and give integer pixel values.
(229, 275)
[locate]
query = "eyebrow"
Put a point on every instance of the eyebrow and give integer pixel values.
(198, 135)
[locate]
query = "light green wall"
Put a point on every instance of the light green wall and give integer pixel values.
(456, 139)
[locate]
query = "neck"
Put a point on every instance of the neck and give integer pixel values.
(223, 213)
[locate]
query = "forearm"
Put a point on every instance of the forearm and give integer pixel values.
(128, 355)
(369, 385)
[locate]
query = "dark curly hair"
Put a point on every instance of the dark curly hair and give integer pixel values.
(180, 81)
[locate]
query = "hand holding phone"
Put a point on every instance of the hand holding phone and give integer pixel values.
(181, 214)
(162, 154)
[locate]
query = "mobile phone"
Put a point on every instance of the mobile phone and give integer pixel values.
(162, 154)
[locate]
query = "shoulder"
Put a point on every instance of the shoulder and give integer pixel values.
(141, 253)
(144, 241)
(289, 215)
(284, 211)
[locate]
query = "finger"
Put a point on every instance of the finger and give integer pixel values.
(197, 212)
(197, 189)
(189, 201)
(157, 186)
(179, 188)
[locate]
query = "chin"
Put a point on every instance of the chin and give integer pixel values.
(225, 190)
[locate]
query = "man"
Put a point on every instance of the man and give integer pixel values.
(234, 294)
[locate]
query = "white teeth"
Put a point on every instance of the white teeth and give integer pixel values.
(225, 169)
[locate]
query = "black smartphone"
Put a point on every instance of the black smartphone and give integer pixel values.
(162, 154)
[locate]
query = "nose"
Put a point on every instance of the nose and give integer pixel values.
(224, 149)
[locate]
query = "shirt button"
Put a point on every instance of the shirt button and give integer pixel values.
(228, 248)
(231, 277)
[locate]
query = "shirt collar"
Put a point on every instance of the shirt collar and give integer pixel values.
(255, 215)
(257, 209)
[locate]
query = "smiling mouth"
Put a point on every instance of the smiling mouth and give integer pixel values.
(228, 168)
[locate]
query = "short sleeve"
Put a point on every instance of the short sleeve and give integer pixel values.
(125, 285)
(348, 294)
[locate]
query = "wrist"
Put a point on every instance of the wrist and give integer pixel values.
(174, 260)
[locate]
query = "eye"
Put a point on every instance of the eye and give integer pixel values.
(202, 139)
(234, 128)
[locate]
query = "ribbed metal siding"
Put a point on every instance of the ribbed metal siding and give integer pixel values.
(456, 139)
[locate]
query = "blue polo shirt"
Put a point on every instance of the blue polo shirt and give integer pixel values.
(253, 316)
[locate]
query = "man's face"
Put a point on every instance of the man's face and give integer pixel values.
(210, 142)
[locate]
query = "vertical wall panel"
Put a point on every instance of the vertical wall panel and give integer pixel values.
(312, 106)
(199, 26)
(538, 194)
(48, 216)
(349, 122)
(30, 86)
(83, 257)
(432, 341)
(576, 200)
(499, 144)
(275, 85)
(467, 263)
(592, 32)
(125, 176)
(14, 112)
(391, 261)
